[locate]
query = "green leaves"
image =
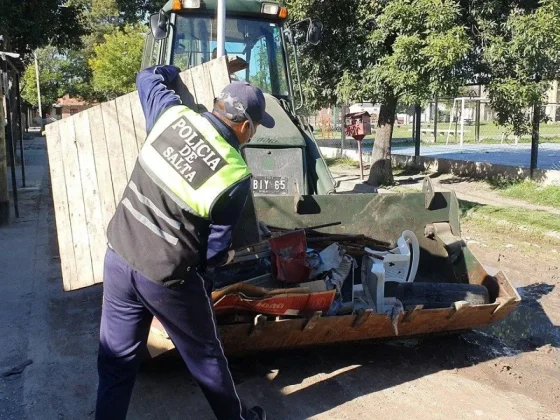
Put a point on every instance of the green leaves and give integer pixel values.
(57, 74)
(524, 57)
(116, 62)
(29, 24)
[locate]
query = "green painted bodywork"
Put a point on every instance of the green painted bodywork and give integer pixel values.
(246, 7)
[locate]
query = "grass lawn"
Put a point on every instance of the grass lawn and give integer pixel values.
(489, 133)
(342, 161)
(529, 191)
(533, 224)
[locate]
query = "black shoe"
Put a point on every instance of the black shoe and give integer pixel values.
(259, 412)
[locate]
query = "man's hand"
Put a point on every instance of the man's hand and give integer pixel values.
(169, 73)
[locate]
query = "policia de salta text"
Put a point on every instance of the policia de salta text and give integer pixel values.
(175, 219)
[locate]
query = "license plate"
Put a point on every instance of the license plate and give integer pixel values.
(270, 185)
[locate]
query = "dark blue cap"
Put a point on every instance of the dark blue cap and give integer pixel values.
(240, 98)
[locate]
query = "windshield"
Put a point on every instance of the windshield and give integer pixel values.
(256, 42)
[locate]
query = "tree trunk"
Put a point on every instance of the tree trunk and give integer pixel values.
(4, 197)
(381, 172)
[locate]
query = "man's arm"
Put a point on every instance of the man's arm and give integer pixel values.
(154, 91)
(225, 215)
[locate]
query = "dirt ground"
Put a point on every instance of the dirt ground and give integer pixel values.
(508, 371)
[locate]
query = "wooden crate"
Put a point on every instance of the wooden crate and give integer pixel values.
(91, 156)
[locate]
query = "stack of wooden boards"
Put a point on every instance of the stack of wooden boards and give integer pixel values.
(91, 157)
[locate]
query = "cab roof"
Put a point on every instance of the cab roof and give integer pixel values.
(235, 6)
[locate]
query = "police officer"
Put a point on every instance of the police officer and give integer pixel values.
(176, 217)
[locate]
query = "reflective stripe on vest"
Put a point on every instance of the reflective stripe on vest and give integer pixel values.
(190, 157)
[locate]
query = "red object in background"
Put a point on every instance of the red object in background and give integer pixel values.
(289, 257)
(357, 124)
(288, 304)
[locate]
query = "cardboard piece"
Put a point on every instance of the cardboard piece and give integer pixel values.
(292, 304)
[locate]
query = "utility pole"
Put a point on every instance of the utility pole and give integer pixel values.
(416, 129)
(342, 127)
(38, 89)
(21, 154)
(436, 114)
(535, 138)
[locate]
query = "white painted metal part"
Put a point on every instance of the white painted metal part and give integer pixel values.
(398, 265)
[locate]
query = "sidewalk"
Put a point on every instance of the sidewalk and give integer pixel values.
(41, 334)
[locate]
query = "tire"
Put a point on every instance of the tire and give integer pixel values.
(441, 295)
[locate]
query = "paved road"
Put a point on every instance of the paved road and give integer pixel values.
(57, 333)
(511, 155)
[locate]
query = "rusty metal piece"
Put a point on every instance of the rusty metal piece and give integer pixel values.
(459, 308)
(310, 324)
(504, 303)
(258, 324)
(362, 316)
(429, 192)
(290, 333)
(411, 314)
(441, 231)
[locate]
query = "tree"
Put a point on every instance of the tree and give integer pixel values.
(137, 10)
(524, 57)
(58, 76)
(386, 52)
(117, 61)
(28, 24)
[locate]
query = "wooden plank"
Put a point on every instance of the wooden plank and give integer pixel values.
(61, 211)
(80, 238)
(186, 90)
(102, 165)
(219, 74)
(202, 88)
(92, 200)
(114, 148)
(139, 120)
(92, 155)
(128, 134)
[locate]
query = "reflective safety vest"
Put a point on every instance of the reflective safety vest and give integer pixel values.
(188, 158)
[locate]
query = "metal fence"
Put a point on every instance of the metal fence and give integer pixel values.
(464, 129)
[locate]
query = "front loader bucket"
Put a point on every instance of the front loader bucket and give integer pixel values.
(444, 258)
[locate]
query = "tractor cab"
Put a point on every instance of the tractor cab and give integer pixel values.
(285, 159)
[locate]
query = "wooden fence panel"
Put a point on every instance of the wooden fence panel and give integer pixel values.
(92, 200)
(61, 212)
(202, 88)
(80, 236)
(220, 79)
(139, 119)
(114, 148)
(128, 134)
(91, 157)
(186, 90)
(102, 165)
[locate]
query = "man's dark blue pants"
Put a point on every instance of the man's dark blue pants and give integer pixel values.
(130, 301)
